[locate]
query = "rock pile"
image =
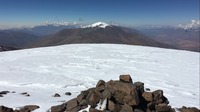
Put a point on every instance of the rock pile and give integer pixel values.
(117, 96)
(113, 96)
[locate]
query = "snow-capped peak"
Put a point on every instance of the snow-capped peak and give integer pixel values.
(195, 24)
(98, 24)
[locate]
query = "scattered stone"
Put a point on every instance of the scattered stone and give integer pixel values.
(147, 89)
(125, 78)
(25, 94)
(56, 95)
(68, 93)
(4, 92)
(189, 109)
(28, 108)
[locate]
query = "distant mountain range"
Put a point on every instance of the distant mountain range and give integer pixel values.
(16, 39)
(98, 33)
(184, 37)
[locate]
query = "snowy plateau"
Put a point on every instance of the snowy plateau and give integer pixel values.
(42, 72)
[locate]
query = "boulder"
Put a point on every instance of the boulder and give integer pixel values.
(125, 78)
(158, 94)
(59, 108)
(111, 105)
(6, 109)
(163, 108)
(71, 104)
(93, 98)
(28, 108)
(94, 110)
(140, 87)
(126, 108)
(148, 96)
(83, 95)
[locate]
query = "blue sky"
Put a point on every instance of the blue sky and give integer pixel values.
(124, 12)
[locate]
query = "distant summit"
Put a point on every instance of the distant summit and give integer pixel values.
(195, 24)
(98, 24)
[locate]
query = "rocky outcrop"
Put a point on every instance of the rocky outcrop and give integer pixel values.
(117, 96)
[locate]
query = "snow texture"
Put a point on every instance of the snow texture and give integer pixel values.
(42, 72)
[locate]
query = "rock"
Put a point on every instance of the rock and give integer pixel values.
(125, 78)
(106, 94)
(25, 94)
(189, 109)
(71, 104)
(28, 108)
(59, 108)
(75, 109)
(100, 87)
(126, 108)
(56, 95)
(93, 98)
(111, 105)
(68, 93)
(1, 95)
(100, 83)
(138, 110)
(112, 86)
(83, 102)
(5, 109)
(140, 87)
(162, 108)
(82, 96)
(158, 94)
(147, 89)
(94, 110)
(4, 92)
(151, 106)
(121, 96)
(148, 96)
